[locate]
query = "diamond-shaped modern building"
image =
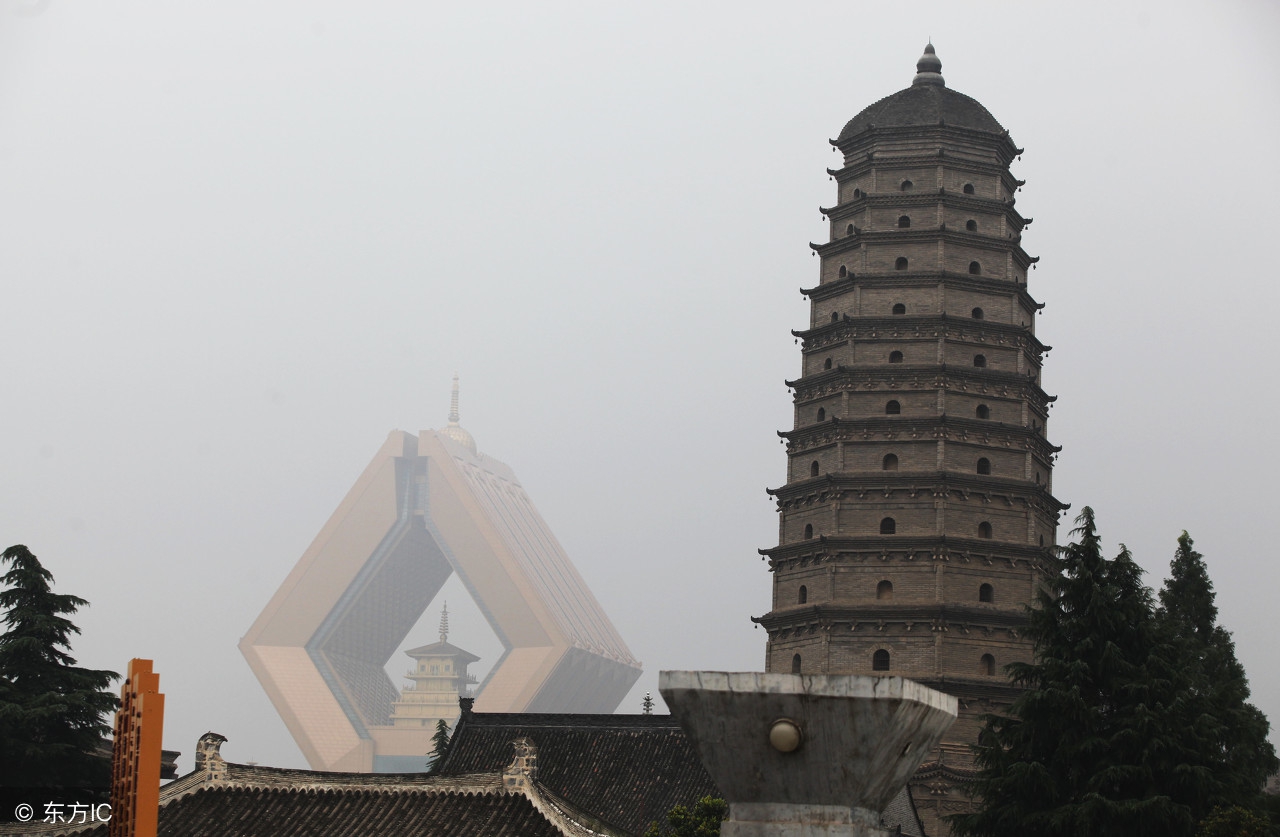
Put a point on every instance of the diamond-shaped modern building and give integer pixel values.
(428, 506)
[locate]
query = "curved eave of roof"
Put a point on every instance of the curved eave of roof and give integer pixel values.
(923, 105)
(442, 649)
(896, 278)
(791, 616)
(904, 322)
(902, 543)
(961, 483)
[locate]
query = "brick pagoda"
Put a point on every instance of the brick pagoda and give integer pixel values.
(918, 507)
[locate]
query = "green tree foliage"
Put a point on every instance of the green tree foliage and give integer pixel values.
(53, 714)
(1119, 731)
(1225, 755)
(1233, 822)
(440, 740)
(703, 820)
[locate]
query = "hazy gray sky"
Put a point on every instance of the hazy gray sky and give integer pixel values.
(241, 241)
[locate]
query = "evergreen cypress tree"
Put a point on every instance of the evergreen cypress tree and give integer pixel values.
(52, 712)
(1080, 750)
(1224, 755)
(440, 750)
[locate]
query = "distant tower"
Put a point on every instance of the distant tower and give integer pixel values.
(439, 676)
(918, 509)
(429, 505)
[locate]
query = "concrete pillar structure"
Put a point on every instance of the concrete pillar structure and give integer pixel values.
(806, 755)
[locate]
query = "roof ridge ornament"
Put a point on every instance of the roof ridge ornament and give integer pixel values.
(929, 68)
(444, 623)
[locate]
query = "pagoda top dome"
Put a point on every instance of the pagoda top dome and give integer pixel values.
(927, 102)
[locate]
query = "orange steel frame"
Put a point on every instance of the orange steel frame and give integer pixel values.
(135, 756)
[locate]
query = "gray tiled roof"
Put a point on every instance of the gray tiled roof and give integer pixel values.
(923, 105)
(625, 770)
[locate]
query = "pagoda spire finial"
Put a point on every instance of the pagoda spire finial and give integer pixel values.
(444, 623)
(454, 430)
(453, 402)
(929, 67)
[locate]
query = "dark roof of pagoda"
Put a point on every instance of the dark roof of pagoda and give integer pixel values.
(626, 770)
(441, 649)
(927, 102)
(920, 106)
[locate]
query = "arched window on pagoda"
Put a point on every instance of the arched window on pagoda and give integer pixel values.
(901, 263)
(975, 268)
(987, 665)
(895, 357)
(880, 660)
(907, 186)
(984, 529)
(808, 531)
(844, 271)
(826, 364)
(795, 664)
(968, 188)
(884, 590)
(822, 414)
(971, 225)
(803, 597)
(984, 465)
(984, 412)
(904, 220)
(899, 309)
(888, 526)
(980, 361)
(890, 462)
(814, 470)
(986, 593)
(976, 313)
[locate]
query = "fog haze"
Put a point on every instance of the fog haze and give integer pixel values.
(240, 242)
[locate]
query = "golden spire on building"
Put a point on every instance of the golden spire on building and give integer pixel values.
(454, 430)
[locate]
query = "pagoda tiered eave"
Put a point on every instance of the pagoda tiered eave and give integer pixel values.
(936, 485)
(873, 135)
(917, 547)
(908, 377)
(1021, 257)
(918, 278)
(913, 429)
(935, 615)
(919, 326)
(958, 200)
(867, 163)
